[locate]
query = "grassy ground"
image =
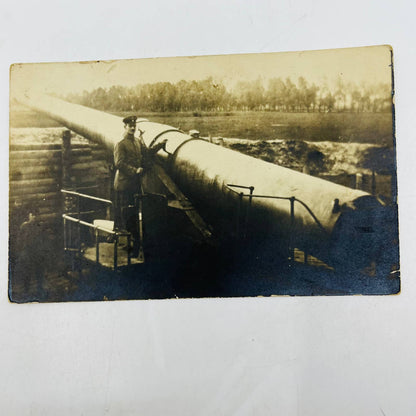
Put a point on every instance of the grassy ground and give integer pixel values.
(375, 128)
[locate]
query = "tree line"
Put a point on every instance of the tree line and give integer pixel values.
(208, 95)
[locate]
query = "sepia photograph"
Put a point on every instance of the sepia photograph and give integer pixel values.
(208, 208)
(237, 175)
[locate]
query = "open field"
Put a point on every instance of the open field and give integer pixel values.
(374, 128)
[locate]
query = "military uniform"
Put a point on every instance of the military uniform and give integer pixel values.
(130, 154)
(128, 157)
(30, 264)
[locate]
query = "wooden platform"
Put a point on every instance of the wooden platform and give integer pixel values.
(106, 255)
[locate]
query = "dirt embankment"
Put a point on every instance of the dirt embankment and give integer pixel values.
(317, 157)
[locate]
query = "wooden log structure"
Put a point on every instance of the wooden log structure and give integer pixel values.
(38, 171)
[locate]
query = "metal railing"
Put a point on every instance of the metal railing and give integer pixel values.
(69, 218)
(292, 200)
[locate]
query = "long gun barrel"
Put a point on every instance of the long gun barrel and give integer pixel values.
(333, 222)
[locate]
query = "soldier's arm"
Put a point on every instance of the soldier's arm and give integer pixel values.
(154, 149)
(120, 160)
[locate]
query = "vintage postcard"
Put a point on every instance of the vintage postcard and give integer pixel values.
(208, 176)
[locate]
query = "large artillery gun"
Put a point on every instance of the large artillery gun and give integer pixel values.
(248, 203)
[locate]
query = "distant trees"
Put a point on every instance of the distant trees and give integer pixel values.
(209, 95)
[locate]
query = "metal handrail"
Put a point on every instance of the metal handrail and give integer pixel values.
(291, 198)
(78, 194)
(96, 228)
(292, 201)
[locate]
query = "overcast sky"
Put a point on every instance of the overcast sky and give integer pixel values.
(360, 65)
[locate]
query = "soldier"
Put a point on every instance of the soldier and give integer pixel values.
(29, 270)
(131, 160)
